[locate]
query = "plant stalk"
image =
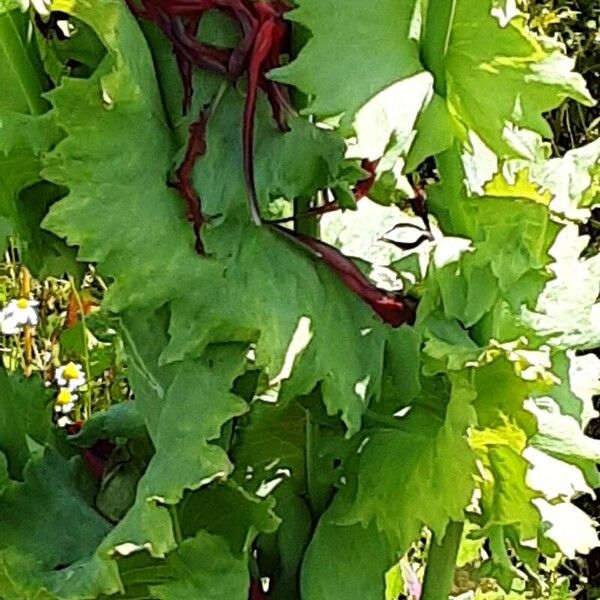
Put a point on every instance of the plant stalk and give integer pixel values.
(441, 563)
(87, 391)
(176, 524)
(27, 329)
(437, 31)
(309, 226)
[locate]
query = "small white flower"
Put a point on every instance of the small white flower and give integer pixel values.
(65, 401)
(64, 421)
(17, 313)
(40, 6)
(70, 376)
(8, 324)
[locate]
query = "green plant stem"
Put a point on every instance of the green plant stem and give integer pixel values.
(310, 435)
(25, 292)
(436, 39)
(308, 226)
(17, 60)
(441, 563)
(176, 525)
(87, 395)
(451, 209)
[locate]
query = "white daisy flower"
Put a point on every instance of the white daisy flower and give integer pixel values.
(70, 376)
(19, 312)
(64, 401)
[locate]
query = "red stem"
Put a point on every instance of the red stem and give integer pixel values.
(260, 52)
(185, 185)
(393, 309)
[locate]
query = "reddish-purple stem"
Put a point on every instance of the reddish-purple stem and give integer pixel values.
(261, 49)
(393, 309)
(195, 149)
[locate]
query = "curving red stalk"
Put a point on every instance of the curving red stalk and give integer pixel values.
(260, 52)
(393, 309)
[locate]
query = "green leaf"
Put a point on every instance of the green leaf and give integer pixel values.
(274, 435)
(76, 56)
(345, 561)
(59, 531)
(195, 406)
(19, 131)
(347, 29)
(567, 309)
(488, 51)
(507, 499)
(24, 413)
(230, 512)
(434, 133)
(184, 458)
(281, 553)
(228, 288)
(482, 49)
(19, 577)
(24, 198)
(394, 462)
(501, 392)
(117, 491)
(117, 421)
(20, 68)
(204, 567)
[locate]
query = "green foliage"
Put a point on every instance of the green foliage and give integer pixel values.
(278, 428)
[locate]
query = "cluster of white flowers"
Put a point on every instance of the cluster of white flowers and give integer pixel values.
(18, 313)
(69, 378)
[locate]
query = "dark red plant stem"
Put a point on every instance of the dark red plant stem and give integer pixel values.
(419, 204)
(96, 457)
(363, 187)
(205, 56)
(277, 94)
(279, 100)
(256, 592)
(393, 309)
(260, 52)
(361, 190)
(185, 66)
(185, 185)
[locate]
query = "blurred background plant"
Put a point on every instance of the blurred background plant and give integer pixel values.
(575, 25)
(68, 340)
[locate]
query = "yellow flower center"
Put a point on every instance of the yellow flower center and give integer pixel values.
(23, 303)
(71, 371)
(64, 397)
